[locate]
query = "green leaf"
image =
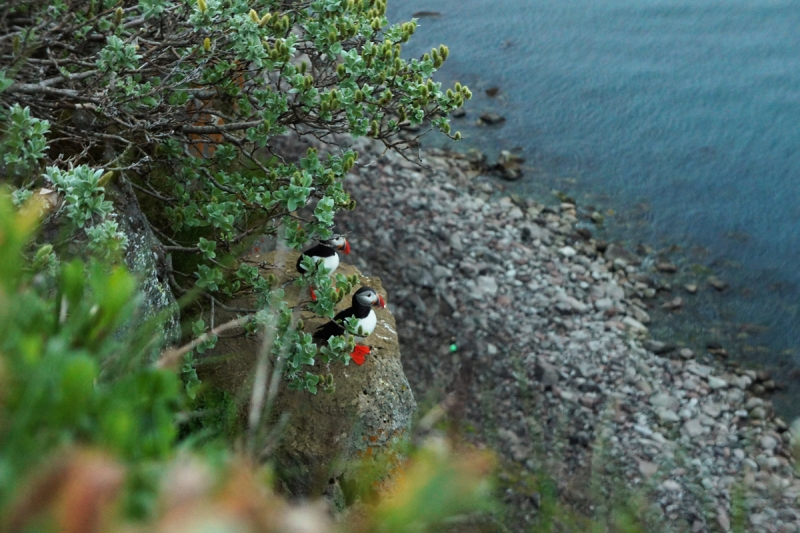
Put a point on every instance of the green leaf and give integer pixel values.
(207, 247)
(5, 83)
(198, 327)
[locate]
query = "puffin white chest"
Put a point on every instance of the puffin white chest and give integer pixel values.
(330, 263)
(367, 324)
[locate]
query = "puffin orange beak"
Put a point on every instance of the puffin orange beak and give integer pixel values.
(381, 302)
(346, 247)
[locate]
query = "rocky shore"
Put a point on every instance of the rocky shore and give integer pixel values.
(534, 337)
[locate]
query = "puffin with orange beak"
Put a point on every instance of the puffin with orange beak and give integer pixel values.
(364, 300)
(324, 252)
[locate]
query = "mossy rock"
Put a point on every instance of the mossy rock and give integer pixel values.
(329, 436)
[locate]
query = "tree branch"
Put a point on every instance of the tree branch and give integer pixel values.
(38, 88)
(221, 128)
(169, 358)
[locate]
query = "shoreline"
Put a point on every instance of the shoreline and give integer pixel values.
(704, 317)
(551, 351)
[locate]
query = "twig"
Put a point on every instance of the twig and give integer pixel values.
(187, 249)
(238, 126)
(170, 357)
(31, 88)
(260, 387)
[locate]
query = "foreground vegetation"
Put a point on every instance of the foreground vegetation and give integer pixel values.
(180, 101)
(89, 430)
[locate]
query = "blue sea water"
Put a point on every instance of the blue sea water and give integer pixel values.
(685, 113)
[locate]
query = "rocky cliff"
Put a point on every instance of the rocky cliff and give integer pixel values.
(330, 438)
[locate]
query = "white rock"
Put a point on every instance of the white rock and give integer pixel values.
(671, 485)
(768, 442)
(568, 396)
(716, 383)
(640, 314)
(569, 304)
(647, 469)
(515, 213)
(706, 420)
(567, 251)
(634, 324)
(603, 304)
(723, 520)
(712, 409)
(667, 416)
(613, 291)
(693, 428)
(487, 285)
(664, 400)
(440, 272)
(699, 370)
(750, 464)
(753, 402)
(580, 335)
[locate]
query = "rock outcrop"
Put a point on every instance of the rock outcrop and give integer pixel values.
(144, 257)
(329, 438)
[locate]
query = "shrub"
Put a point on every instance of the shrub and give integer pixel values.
(183, 100)
(66, 377)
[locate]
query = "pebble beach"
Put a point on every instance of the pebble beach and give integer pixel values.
(534, 336)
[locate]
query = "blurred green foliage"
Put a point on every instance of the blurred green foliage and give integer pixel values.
(67, 376)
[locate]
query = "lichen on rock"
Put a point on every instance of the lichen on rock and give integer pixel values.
(142, 259)
(143, 256)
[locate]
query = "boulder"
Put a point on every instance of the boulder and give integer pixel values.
(329, 437)
(144, 257)
(492, 118)
(717, 283)
(617, 251)
(509, 165)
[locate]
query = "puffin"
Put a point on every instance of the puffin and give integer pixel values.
(325, 251)
(363, 300)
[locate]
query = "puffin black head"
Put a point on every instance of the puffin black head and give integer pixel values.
(367, 296)
(338, 242)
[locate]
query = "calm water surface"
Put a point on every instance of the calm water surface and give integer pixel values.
(682, 116)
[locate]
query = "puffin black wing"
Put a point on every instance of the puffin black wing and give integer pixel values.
(333, 328)
(299, 266)
(320, 250)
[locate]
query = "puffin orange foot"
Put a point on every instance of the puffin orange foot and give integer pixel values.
(358, 354)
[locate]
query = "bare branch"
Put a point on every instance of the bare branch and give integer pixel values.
(169, 358)
(238, 126)
(38, 88)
